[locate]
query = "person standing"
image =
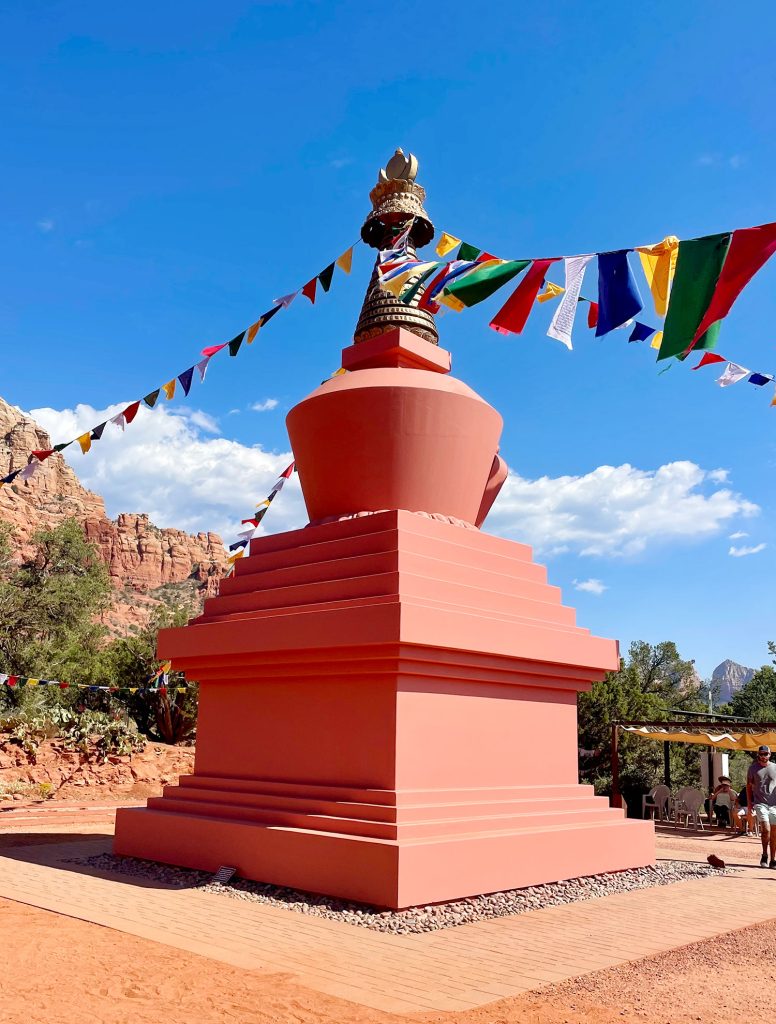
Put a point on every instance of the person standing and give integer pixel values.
(761, 793)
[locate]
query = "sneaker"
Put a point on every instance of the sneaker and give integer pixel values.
(764, 861)
(772, 864)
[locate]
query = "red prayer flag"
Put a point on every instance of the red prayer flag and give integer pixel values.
(12, 680)
(286, 474)
(750, 248)
(42, 455)
(64, 686)
(592, 315)
(309, 289)
(708, 358)
(513, 315)
(212, 349)
(131, 411)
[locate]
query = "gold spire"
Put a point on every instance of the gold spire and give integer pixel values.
(396, 199)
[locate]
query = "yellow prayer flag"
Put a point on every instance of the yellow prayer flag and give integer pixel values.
(253, 330)
(338, 373)
(33, 682)
(180, 689)
(85, 441)
(659, 263)
(551, 291)
(133, 689)
(446, 244)
(450, 301)
(345, 261)
(773, 400)
(657, 340)
(169, 388)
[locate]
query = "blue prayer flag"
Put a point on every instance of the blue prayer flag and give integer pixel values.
(185, 379)
(641, 332)
(760, 378)
(619, 299)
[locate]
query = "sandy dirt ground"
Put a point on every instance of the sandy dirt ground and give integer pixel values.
(64, 971)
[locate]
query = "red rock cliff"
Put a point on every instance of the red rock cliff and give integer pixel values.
(140, 556)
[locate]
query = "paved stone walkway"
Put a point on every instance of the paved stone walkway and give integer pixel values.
(453, 969)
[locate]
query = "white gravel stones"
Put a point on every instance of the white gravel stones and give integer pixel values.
(416, 919)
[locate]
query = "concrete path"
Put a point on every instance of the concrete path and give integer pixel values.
(452, 969)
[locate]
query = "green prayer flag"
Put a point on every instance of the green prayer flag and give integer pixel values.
(150, 399)
(61, 447)
(325, 277)
(234, 344)
(480, 284)
(411, 290)
(698, 266)
(468, 252)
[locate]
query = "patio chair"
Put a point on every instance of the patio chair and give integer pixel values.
(656, 803)
(689, 805)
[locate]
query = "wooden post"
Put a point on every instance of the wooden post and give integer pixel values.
(616, 798)
(666, 764)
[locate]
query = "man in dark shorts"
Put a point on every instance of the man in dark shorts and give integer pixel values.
(761, 792)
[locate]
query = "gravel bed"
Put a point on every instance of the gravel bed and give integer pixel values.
(416, 919)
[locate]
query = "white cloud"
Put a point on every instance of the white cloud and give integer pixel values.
(718, 476)
(592, 586)
(165, 465)
(743, 551)
(265, 406)
(738, 535)
(45, 225)
(732, 160)
(340, 162)
(202, 420)
(616, 510)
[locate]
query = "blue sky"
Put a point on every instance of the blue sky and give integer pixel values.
(166, 173)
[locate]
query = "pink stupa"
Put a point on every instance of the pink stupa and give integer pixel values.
(388, 696)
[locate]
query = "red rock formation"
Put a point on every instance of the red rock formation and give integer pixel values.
(140, 556)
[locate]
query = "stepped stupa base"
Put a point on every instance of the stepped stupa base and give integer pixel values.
(382, 872)
(388, 715)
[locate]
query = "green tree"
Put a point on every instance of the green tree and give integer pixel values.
(756, 701)
(170, 716)
(651, 681)
(49, 607)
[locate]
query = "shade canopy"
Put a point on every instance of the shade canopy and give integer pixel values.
(730, 739)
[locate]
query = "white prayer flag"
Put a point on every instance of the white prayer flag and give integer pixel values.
(732, 373)
(202, 367)
(562, 323)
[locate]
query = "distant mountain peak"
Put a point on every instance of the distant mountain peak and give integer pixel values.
(729, 677)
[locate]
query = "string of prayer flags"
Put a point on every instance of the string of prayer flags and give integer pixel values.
(698, 267)
(619, 299)
(513, 315)
(659, 265)
(239, 547)
(186, 377)
(14, 681)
